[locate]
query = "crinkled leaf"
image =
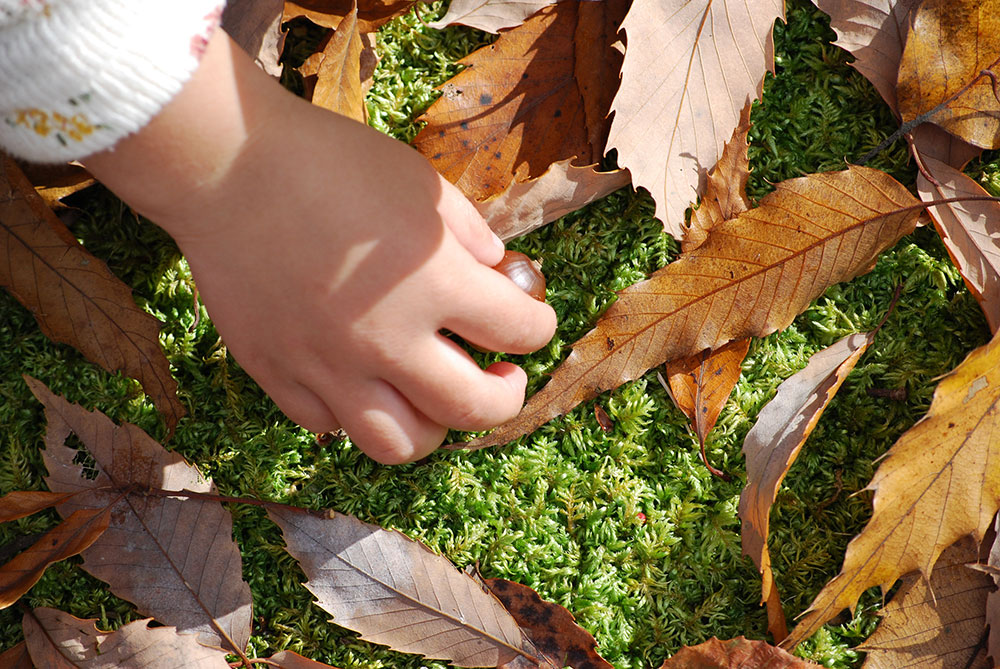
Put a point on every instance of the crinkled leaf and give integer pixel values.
(74, 297)
(338, 78)
(536, 96)
(938, 483)
(57, 640)
(396, 592)
(700, 385)
(936, 623)
(489, 15)
(173, 557)
(689, 70)
(751, 277)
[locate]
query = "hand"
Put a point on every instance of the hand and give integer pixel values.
(330, 257)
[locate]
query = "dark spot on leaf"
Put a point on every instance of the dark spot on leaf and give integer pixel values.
(464, 125)
(611, 344)
(497, 155)
(465, 143)
(524, 76)
(485, 99)
(440, 133)
(437, 156)
(558, 113)
(951, 425)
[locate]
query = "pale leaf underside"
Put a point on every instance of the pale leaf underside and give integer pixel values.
(174, 558)
(751, 277)
(396, 592)
(690, 68)
(938, 483)
(489, 15)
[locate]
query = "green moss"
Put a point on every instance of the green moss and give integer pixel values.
(627, 529)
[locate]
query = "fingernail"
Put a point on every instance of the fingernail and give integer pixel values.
(497, 242)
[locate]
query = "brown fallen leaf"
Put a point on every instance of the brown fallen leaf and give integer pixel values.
(773, 444)
(16, 658)
(551, 627)
(256, 26)
(372, 14)
(738, 653)
(950, 43)
(338, 77)
(992, 568)
(564, 188)
(874, 32)
(538, 95)
(751, 277)
(936, 624)
(671, 121)
(970, 231)
(489, 15)
(21, 503)
(287, 659)
(54, 182)
(57, 640)
(396, 592)
(74, 297)
(936, 485)
(173, 557)
(75, 534)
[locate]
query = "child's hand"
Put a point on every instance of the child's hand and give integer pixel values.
(330, 257)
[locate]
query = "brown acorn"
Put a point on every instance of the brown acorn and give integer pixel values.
(524, 272)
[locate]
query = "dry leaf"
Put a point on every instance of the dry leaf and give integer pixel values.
(75, 534)
(286, 659)
(950, 43)
(933, 142)
(372, 14)
(874, 31)
(671, 121)
(256, 26)
(970, 231)
(552, 628)
(527, 206)
(536, 96)
(773, 444)
(992, 568)
(936, 624)
(738, 653)
(489, 15)
(396, 592)
(56, 640)
(937, 484)
(21, 503)
(54, 182)
(700, 385)
(173, 557)
(74, 297)
(338, 78)
(16, 658)
(751, 277)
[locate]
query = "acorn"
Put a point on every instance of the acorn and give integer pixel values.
(524, 272)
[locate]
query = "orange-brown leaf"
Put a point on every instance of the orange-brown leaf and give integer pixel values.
(489, 15)
(701, 384)
(949, 44)
(738, 653)
(538, 95)
(372, 14)
(751, 277)
(690, 68)
(21, 503)
(74, 297)
(338, 78)
(16, 658)
(774, 442)
(173, 557)
(551, 628)
(937, 484)
(57, 639)
(256, 27)
(936, 624)
(287, 659)
(528, 205)
(75, 534)
(396, 592)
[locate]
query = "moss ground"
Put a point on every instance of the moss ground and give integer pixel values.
(559, 510)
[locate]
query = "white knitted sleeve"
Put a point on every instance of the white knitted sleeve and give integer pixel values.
(78, 75)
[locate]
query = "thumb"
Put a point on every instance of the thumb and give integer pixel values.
(468, 226)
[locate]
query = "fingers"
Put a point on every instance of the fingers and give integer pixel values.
(383, 424)
(306, 408)
(468, 226)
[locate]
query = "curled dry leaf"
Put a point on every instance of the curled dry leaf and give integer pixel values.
(671, 122)
(396, 592)
(74, 297)
(552, 629)
(751, 277)
(874, 32)
(738, 653)
(75, 534)
(773, 444)
(936, 623)
(173, 557)
(489, 15)
(372, 14)
(937, 484)
(526, 206)
(950, 44)
(58, 640)
(286, 659)
(338, 77)
(538, 95)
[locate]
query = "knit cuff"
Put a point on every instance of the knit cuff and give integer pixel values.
(76, 76)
